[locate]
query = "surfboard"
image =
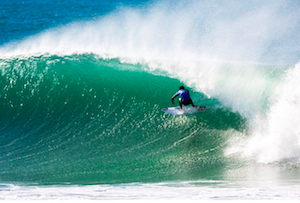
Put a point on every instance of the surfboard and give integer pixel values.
(185, 110)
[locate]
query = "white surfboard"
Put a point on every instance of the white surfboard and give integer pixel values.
(185, 110)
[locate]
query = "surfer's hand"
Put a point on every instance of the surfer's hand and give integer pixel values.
(172, 104)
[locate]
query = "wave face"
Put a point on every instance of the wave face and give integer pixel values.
(81, 103)
(85, 119)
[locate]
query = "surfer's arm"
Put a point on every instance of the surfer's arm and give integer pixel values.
(174, 96)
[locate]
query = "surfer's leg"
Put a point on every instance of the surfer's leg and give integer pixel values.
(193, 103)
(180, 103)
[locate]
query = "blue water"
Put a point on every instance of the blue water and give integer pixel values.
(82, 85)
(20, 19)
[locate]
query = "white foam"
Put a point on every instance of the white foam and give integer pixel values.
(279, 138)
(160, 191)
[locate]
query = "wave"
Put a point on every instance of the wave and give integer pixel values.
(84, 119)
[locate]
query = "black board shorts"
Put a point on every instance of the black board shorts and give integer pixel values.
(187, 102)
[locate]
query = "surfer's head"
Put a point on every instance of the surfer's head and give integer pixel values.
(181, 87)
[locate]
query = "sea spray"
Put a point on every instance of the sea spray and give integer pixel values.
(278, 139)
(231, 31)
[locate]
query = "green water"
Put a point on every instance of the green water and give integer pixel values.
(81, 119)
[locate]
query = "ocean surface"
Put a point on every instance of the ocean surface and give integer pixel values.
(83, 82)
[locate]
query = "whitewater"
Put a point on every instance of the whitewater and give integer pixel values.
(82, 97)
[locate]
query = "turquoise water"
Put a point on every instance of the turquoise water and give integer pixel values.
(82, 85)
(88, 120)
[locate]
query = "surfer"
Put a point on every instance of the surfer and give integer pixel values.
(185, 97)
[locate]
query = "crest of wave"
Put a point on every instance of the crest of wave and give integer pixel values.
(180, 30)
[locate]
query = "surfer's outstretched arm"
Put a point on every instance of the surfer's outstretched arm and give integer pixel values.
(174, 96)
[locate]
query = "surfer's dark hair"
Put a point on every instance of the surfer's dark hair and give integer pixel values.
(181, 87)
